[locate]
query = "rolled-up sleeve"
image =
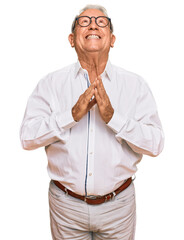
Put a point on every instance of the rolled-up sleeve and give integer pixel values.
(43, 123)
(142, 132)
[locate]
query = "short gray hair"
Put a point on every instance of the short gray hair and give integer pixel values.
(100, 8)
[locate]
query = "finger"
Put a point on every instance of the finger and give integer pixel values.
(102, 86)
(89, 94)
(97, 96)
(89, 89)
(91, 103)
(99, 77)
(100, 83)
(101, 89)
(94, 83)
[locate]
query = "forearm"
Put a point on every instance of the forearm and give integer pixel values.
(42, 131)
(143, 137)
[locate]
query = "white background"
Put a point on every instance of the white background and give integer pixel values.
(34, 42)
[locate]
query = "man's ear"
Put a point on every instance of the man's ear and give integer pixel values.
(113, 39)
(71, 39)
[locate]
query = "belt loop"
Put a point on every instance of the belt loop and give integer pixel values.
(114, 194)
(133, 178)
(66, 191)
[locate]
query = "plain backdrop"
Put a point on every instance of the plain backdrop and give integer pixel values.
(34, 42)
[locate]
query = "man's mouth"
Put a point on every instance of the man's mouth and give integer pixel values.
(92, 36)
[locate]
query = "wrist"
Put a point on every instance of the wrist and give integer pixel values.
(110, 116)
(74, 115)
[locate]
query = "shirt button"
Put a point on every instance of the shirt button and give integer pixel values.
(91, 130)
(91, 153)
(90, 174)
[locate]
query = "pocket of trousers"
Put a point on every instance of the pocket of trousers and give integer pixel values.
(127, 195)
(55, 191)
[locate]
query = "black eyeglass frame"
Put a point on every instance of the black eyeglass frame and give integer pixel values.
(109, 21)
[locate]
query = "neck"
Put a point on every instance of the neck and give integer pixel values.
(94, 64)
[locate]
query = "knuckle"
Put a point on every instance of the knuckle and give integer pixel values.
(80, 98)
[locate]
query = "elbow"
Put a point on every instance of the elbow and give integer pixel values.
(28, 148)
(153, 154)
(27, 145)
(158, 150)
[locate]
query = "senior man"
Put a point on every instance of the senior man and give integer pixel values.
(95, 121)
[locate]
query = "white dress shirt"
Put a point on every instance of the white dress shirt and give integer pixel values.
(91, 157)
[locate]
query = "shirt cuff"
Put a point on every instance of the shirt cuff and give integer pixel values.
(117, 122)
(65, 120)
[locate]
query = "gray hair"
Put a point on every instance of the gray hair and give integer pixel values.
(98, 7)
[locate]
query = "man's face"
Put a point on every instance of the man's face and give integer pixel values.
(82, 38)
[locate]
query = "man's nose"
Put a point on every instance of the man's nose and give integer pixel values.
(93, 24)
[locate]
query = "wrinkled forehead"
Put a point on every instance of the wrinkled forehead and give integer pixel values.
(92, 12)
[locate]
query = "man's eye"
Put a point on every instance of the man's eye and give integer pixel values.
(84, 21)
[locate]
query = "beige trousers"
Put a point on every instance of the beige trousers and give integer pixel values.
(72, 218)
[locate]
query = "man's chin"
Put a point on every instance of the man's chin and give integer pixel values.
(93, 49)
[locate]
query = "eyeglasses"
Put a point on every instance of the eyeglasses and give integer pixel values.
(100, 21)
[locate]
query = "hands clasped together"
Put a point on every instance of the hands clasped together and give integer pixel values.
(86, 102)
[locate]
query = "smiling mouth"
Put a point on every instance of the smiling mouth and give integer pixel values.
(92, 36)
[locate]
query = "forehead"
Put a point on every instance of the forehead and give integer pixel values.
(92, 12)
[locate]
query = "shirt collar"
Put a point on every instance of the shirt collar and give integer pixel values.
(108, 70)
(77, 68)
